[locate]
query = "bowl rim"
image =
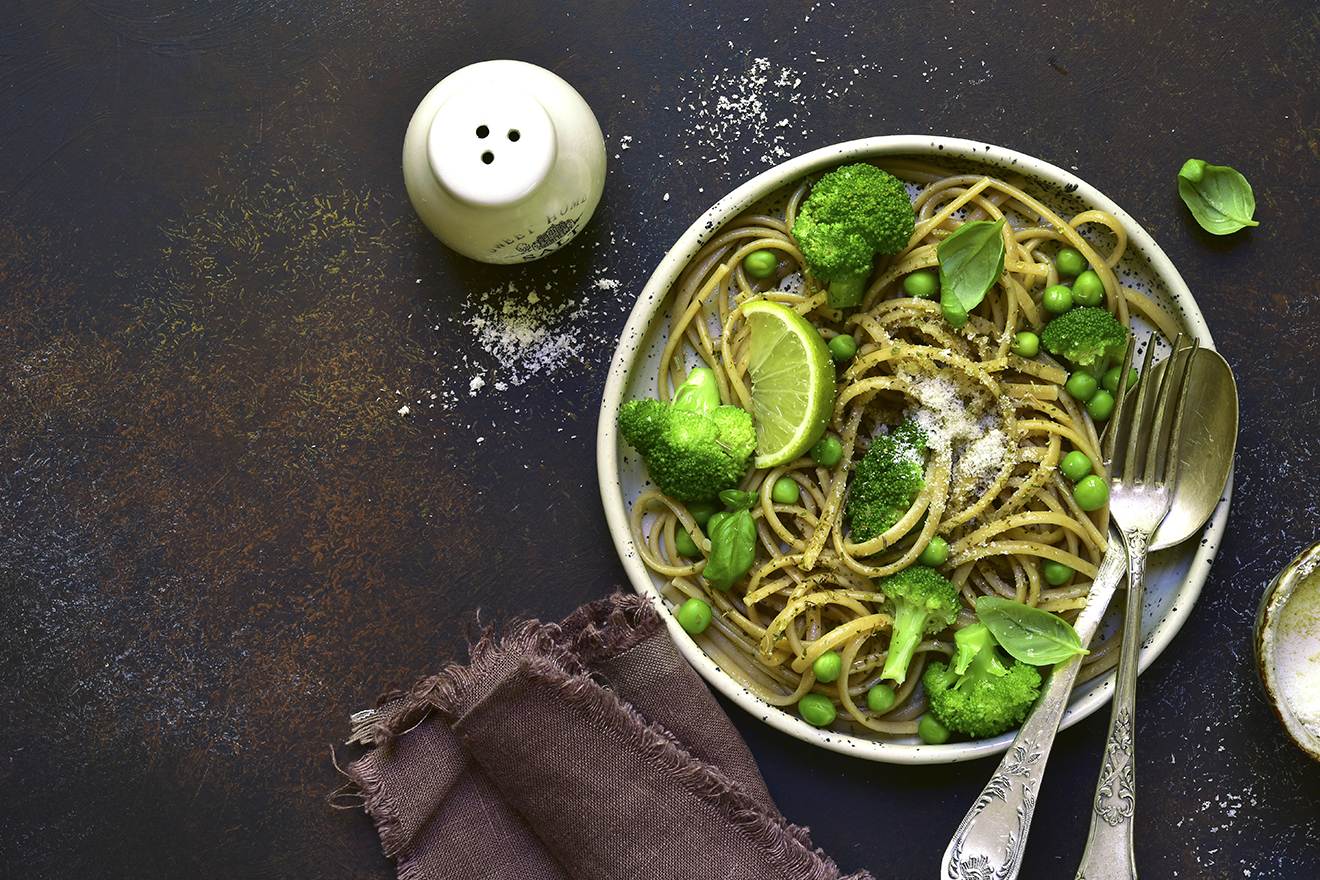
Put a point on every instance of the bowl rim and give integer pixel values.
(636, 330)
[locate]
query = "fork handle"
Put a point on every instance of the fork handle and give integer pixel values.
(1109, 852)
(990, 840)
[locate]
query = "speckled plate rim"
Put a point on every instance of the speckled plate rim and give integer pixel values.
(1174, 576)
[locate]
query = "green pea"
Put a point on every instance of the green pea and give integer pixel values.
(1057, 299)
(1088, 289)
(1026, 344)
(760, 264)
(1110, 380)
(785, 491)
(843, 347)
(683, 543)
(827, 666)
(1076, 465)
(1101, 405)
(931, 731)
(922, 284)
(827, 452)
(1070, 261)
(881, 698)
(935, 553)
(693, 615)
(817, 709)
(702, 511)
(1091, 493)
(1056, 573)
(1081, 385)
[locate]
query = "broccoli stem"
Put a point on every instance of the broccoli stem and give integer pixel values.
(700, 393)
(844, 293)
(909, 627)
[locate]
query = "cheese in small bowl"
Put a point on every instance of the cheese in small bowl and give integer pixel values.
(1288, 648)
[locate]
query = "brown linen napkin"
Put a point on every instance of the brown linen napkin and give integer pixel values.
(588, 750)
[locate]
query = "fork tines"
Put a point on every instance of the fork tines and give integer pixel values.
(1149, 415)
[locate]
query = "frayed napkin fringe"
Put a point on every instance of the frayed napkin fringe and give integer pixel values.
(598, 629)
(788, 844)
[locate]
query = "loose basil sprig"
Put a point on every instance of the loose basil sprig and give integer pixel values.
(1219, 197)
(1028, 634)
(732, 540)
(971, 261)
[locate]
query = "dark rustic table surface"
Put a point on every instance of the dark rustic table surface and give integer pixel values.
(269, 447)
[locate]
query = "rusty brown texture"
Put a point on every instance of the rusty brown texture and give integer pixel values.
(269, 448)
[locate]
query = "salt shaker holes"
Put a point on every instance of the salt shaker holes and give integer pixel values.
(483, 132)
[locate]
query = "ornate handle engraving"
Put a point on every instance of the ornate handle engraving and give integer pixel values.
(1109, 852)
(989, 842)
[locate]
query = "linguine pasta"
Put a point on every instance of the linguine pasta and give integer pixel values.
(997, 427)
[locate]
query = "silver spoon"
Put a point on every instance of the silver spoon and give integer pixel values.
(992, 836)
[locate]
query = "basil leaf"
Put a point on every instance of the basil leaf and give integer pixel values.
(736, 499)
(1219, 197)
(732, 549)
(1028, 634)
(971, 261)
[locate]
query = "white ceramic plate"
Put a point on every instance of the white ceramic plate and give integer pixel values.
(1174, 577)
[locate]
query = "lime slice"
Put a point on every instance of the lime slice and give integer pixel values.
(792, 382)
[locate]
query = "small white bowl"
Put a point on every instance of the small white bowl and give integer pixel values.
(1288, 648)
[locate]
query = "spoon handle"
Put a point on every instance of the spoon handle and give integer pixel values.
(990, 840)
(1109, 852)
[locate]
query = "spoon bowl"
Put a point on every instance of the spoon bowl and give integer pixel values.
(1209, 440)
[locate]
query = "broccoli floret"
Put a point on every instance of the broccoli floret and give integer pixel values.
(923, 602)
(885, 481)
(1088, 337)
(694, 448)
(978, 694)
(852, 213)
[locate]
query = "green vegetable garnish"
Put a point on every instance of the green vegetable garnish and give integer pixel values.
(1026, 344)
(1029, 635)
(761, 264)
(1219, 197)
(1088, 289)
(695, 446)
(977, 693)
(1089, 338)
(817, 710)
(852, 213)
(694, 615)
(1076, 465)
(827, 666)
(880, 698)
(1070, 261)
(732, 540)
(827, 452)
(971, 261)
(1091, 493)
(885, 481)
(922, 602)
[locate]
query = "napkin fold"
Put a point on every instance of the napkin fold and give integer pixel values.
(583, 750)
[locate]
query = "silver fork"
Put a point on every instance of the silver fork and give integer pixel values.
(992, 836)
(1140, 496)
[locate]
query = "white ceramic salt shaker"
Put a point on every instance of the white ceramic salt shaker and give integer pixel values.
(504, 161)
